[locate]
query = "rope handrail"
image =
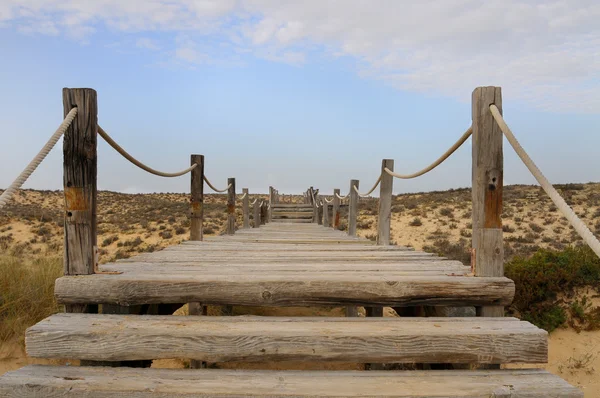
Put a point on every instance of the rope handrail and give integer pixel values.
(327, 201)
(244, 196)
(560, 203)
(364, 195)
(253, 203)
(35, 162)
(337, 195)
(213, 187)
(439, 161)
(136, 162)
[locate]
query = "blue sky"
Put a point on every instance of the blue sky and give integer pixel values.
(295, 94)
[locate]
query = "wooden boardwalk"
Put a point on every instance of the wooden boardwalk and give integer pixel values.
(119, 318)
(285, 264)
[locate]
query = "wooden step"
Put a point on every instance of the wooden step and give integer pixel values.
(139, 286)
(289, 214)
(291, 206)
(103, 337)
(292, 220)
(102, 382)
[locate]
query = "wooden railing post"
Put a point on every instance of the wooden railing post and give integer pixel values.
(80, 191)
(319, 210)
(311, 194)
(231, 206)
(256, 221)
(353, 208)
(263, 213)
(197, 198)
(335, 217)
(487, 190)
(246, 208)
(271, 201)
(385, 203)
(325, 213)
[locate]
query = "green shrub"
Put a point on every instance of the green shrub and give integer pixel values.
(546, 274)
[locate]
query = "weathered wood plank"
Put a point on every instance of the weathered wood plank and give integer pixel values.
(384, 215)
(285, 290)
(231, 206)
(353, 208)
(84, 382)
(214, 339)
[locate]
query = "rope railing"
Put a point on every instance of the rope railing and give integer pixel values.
(439, 161)
(213, 187)
(342, 197)
(364, 195)
(328, 201)
(244, 196)
(253, 203)
(35, 162)
(560, 203)
(136, 162)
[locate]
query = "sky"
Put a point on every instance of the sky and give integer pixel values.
(301, 93)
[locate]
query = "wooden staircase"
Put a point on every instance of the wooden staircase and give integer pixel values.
(292, 212)
(286, 264)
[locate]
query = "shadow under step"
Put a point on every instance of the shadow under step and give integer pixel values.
(98, 382)
(102, 337)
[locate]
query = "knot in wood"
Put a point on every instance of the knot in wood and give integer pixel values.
(266, 295)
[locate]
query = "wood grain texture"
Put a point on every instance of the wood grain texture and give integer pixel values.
(80, 181)
(84, 382)
(335, 217)
(384, 216)
(231, 206)
(246, 208)
(487, 188)
(215, 339)
(353, 208)
(290, 289)
(197, 198)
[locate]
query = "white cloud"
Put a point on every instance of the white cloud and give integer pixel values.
(146, 43)
(545, 53)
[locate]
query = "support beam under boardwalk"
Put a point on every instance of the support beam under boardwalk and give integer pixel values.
(76, 382)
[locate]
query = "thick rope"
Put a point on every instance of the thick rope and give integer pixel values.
(20, 180)
(253, 203)
(435, 164)
(337, 195)
(560, 203)
(364, 195)
(244, 196)
(327, 201)
(213, 187)
(136, 162)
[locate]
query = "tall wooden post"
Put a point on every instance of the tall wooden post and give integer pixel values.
(197, 198)
(385, 203)
(79, 179)
(256, 221)
(246, 208)
(335, 217)
(353, 208)
(263, 212)
(231, 206)
(271, 201)
(313, 201)
(325, 213)
(319, 210)
(487, 189)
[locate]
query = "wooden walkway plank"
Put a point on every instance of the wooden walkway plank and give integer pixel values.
(257, 339)
(77, 382)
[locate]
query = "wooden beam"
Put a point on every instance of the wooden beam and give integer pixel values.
(246, 208)
(289, 289)
(256, 220)
(231, 206)
(77, 381)
(353, 208)
(197, 198)
(384, 218)
(257, 339)
(335, 218)
(487, 189)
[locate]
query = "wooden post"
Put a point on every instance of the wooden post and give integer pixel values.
(256, 221)
(385, 203)
(231, 206)
(335, 217)
(271, 202)
(263, 213)
(487, 189)
(246, 208)
(314, 204)
(197, 198)
(79, 179)
(319, 210)
(353, 208)
(325, 213)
